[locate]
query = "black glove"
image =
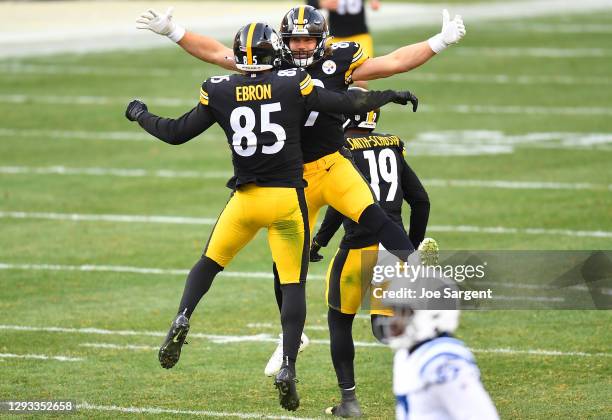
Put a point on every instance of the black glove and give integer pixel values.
(404, 97)
(135, 110)
(314, 252)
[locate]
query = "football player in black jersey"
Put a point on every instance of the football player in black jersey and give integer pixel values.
(331, 176)
(261, 112)
(380, 159)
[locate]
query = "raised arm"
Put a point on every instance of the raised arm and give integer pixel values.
(411, 56)
(203, 47)
(169, 130)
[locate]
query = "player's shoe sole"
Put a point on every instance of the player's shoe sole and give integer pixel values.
(276, 360)
(287, 391)
(170, 350)
(428, 251)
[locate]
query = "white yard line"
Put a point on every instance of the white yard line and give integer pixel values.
(505, 79)
(165, 173)
(123, 218)
(205, 413)
(79, 100)
(223, 339)
(120, 218)
(118, 346)
(127, 172)
(37, 69)
(40, 357)
(93, 26)
(140, 270)
(534, 52)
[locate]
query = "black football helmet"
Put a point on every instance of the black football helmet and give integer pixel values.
(366, 121)
(257, 47)
(304, 21)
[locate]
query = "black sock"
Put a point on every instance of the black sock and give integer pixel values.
(198, 282)
(293, 316)
(277, 288)
(342, 347)
(390, 235)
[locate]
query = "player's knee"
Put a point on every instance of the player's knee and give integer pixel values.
(373, 218)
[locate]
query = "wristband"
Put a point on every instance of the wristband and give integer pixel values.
(177, 33)
(436, 43)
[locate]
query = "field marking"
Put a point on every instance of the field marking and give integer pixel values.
(434, 143)
(534, 52)
(158, 410)
(267, 325)
(40, 357)
(120, 218)
(267, 338)
(175, 102)
(510, 230)
(127, 172)
(118, 346)
(504, 79)
(21, 68)
(124, 218)
(166, 173)
(141, 270)
(77, 134)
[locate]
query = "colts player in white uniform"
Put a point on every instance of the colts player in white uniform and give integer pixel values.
(435, 376)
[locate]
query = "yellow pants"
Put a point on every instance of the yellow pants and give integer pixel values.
(365, 40)
(280, 210)
(348, 281)
(334, 180)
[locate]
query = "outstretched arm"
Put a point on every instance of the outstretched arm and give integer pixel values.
(203, 47)
(356, 101)
(208, 49)
(169, 130)
(411, 56)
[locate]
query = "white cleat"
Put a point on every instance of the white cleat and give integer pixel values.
(276, 360)
(428, 251)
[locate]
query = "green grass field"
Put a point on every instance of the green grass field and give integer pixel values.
(67, 111)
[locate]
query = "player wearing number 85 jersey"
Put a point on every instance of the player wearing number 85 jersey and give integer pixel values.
(261, 113)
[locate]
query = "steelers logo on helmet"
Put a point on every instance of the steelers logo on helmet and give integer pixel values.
(304, 22)
(257, 47)
(366, 121)
(328, 67)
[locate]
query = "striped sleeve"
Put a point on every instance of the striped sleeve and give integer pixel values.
(359, 57)
(203, 95)
(306, 85)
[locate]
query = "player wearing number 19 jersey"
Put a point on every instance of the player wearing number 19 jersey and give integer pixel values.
(380, 158)
(261, 113)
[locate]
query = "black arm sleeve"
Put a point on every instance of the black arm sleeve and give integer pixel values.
(331, 223)
(180, 130)
(350, 102)
(416, 196)
(313, 3)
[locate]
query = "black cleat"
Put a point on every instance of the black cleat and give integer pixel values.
(346, 409)
(287, 392)
(170, 350)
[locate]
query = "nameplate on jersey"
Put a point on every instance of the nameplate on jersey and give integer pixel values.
(357, 143)
(253, 92)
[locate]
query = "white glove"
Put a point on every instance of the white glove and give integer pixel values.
(452, 32)
(161, 24)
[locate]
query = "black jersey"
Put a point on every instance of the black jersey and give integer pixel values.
(379, 157)
(322, 133)
(348, 19)
(262, 115)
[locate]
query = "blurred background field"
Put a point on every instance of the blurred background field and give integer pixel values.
(99, 222)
